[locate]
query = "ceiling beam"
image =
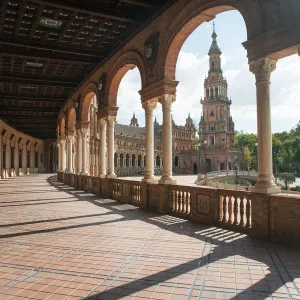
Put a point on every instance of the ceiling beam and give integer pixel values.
(82, 10)
(16, 117)
(36, 81)
(139, 3)
(81, 61)
(29, 109)
(30, 98)
(32, 45)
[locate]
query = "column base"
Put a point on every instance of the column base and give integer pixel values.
(84, 173)
(266, 189)
(111, 176)
(150, 180)
(167, 180)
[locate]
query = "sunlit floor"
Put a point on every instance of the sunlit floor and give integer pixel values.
(58, 243)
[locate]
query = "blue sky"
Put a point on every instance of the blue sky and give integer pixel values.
(192, 66)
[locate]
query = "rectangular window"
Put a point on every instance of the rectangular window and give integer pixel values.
(41, 158)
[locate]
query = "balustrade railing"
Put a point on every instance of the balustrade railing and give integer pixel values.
(274, 216)
(180, 200)
(136, 193)
(235, 209)
(128, 191)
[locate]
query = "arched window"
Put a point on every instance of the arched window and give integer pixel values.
(139, 161)
(158, 161)
(121, 160)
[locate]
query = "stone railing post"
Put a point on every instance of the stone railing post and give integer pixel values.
(262, 70)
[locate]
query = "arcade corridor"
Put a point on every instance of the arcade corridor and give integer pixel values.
(59, 243)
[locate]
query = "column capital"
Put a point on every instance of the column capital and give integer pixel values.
(262, 68)
(149, 105)
(111, 120)
(166, 100)
(102, 123)
(69, 134)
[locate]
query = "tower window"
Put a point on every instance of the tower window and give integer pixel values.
(212, 113)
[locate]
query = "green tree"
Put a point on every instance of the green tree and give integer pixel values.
(248, 157)
(287, 178)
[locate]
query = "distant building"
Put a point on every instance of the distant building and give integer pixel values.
(216, 127)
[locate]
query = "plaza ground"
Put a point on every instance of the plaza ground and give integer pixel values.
(59, 243)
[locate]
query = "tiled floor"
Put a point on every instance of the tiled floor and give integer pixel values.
(58, 243)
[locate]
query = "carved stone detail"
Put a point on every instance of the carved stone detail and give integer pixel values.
(166, 101)
(149, 106)
(262, 68)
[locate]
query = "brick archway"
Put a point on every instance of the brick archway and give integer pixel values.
(89, 92)
(71, 119)
(127, 61)
(62, 126)
(192, 16)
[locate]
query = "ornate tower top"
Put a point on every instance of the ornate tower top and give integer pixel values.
(134, 121)
(214, 48)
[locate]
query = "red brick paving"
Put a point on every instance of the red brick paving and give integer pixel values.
(59, 243)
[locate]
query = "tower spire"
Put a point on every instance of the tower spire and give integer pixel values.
(214, 48)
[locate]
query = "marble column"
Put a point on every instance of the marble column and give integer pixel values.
(7, 158)
(92, 155)
(102, 148)
(69, 141)
(59, 159)
(262, 70)
(78, 151)
(96, 157)
(1, 162)
(149, 106)
(63, 155)
(84, 134)
(16, 158)
(32, 160)
(166, 101)
(24, 159)
(111, 147)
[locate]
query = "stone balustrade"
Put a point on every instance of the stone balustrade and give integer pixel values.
(274, 217)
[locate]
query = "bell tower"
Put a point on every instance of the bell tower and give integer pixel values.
(216, 125)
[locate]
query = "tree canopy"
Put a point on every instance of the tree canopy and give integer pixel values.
(286, 150)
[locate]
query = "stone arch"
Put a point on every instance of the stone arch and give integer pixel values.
(127, 61)
(89, 92)
(71, 119)
(62, 126)
(193, 15)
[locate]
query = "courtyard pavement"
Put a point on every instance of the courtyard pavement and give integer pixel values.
(59, 243)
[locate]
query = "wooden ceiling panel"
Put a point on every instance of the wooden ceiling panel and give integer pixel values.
(48, 47)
